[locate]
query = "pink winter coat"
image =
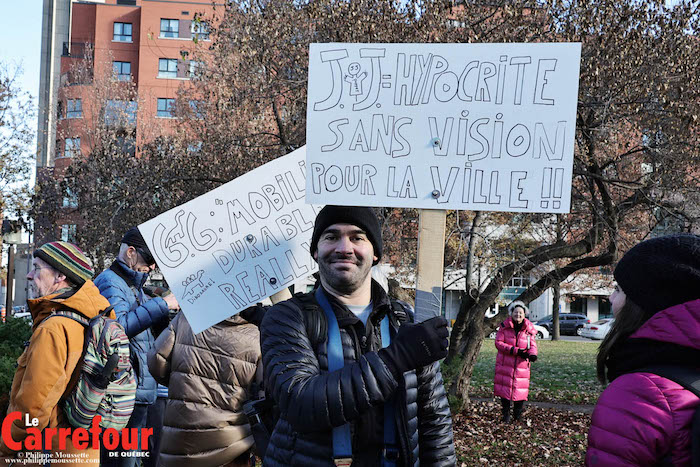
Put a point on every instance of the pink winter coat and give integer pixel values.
(512, 379)
(642, 418)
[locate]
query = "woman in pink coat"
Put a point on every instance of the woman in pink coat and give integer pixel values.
(642, 418)
(516, 346)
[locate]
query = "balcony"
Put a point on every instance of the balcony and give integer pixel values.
(78, 49)
(76, 77)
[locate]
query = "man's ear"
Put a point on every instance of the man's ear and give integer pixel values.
(315, 256)
(375, 259)
(60, 277)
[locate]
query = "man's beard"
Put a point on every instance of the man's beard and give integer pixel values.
(32, 291)
(341, 281)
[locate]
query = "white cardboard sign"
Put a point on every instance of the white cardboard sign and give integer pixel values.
(442, 126)
(238, 244)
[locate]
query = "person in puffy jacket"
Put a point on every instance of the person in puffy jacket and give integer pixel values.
(122, 284)
(516, 346)
(208, 377)
(642, 418)
(378, 390)
(48, 369)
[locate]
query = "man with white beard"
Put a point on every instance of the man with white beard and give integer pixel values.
(60, 279)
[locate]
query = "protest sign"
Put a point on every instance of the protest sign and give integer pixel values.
(238, 244)
(442, 126)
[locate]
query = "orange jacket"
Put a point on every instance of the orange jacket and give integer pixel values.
(45, 371)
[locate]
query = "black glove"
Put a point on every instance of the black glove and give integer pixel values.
(254, 314)
(532, 357)
(522, 353)
(416, 345)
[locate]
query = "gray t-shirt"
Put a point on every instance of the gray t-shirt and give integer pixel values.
(361, 311)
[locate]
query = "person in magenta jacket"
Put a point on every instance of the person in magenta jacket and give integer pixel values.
(642, 418)
(516, 346)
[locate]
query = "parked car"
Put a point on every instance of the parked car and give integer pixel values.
(569, 323)
(23, 314)
(597, 330)
(542, 332)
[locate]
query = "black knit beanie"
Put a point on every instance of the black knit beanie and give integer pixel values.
(133, 237)
(361, 217)
(661, 272)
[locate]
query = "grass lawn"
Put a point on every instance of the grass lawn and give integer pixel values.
(564, 372)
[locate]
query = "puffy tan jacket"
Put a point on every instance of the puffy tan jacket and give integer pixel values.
(643, 418)
(208, 376)
(312, 400)
(46, 369)
(512, 379)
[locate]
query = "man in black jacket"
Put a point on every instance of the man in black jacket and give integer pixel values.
(385, 404)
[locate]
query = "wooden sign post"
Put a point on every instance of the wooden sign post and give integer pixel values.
(431, 258)
(281, 296)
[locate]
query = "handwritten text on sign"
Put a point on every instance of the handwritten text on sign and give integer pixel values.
(442, 126)
(237, 244)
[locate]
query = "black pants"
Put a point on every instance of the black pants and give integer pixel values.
(518, 407)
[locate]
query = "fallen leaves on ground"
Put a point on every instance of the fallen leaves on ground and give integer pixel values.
(541, 437)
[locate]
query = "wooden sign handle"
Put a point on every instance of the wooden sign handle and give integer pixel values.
(280, 296)
(431, 259)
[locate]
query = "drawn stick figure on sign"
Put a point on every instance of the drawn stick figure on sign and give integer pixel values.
(355, 78)
(552, 187)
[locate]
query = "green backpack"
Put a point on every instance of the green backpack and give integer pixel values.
(106, 385)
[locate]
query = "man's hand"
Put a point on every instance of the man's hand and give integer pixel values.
(171, 301)
(416, 345)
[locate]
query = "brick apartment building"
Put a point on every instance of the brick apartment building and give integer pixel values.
(139, 43)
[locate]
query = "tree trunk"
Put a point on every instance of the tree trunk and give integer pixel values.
(557, 293)
(469, 280)
(475, 329)
(555, 311)
(460, 326)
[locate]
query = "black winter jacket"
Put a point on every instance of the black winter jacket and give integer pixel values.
(312, 401)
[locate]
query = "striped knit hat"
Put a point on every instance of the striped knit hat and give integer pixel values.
(67, 259)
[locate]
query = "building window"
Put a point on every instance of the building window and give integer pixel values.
(167, 68)
(72, 147)
(120, 113)
(200, 30)
(518, 281)
(195, 68)
(68, 232)
(169, 27)
(122, 32)
(165, 107)
(604, 308)
(194, 148)
(127, 145)
(74, 108)
(197, 108)
(121, 71)
(70, 200)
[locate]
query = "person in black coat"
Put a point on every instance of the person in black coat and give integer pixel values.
(379, 389)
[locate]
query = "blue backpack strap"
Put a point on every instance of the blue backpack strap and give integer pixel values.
(390, 454)
(342, 443)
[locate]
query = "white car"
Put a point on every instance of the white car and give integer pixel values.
(597, 330)
(542, 332)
